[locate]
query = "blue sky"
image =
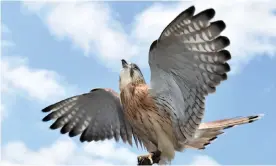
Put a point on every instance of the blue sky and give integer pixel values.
(51, 51)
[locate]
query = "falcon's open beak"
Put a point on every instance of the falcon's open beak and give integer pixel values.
(124, 63)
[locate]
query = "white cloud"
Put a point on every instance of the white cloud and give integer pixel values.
(108, 149)
(90, 26)
(3, 113)
(203, 160)
(64, 152)
(93, 26)
(250, 25)
(40, 84)
(18, 78)
(4, 42)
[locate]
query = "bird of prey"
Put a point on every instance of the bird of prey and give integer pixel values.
(187, 62)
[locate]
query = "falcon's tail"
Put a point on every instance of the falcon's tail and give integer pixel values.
(209, 131)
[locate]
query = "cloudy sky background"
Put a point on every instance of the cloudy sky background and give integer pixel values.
(50, 51)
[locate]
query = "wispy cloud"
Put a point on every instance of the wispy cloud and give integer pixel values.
(39, 84)
(203, 160)
(249, 25)
(3, 113)
(66, 152)
(90, 26)
(108, 150)
(18, 78)
(93, 27)
(5, 43)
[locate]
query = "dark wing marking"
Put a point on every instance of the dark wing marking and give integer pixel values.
(187, 62)
(97, 115)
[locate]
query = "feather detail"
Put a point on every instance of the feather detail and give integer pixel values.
(208, 132)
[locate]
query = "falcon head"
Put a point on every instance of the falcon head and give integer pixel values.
(130, 73)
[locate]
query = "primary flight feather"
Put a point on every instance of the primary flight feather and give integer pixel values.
(187, 62)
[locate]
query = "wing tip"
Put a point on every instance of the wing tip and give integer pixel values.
(63, 130)
(220, 24)
(227, 67)
(206, 144)
(190, 10)
(47, 109)
(73, 133)
(224, 76)
(254, 118)
(54, 126)
(228, 127)
(46, 119)
(82, 139)
(212, 139)
(225, 54)
(209, 13)
(225, 41)
(153, 44)
(83, 136)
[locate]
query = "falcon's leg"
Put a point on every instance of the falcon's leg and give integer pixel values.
(150, 159)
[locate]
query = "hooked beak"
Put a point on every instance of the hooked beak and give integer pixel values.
(124, 63)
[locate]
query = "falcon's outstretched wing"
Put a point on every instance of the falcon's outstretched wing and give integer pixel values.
(96, 115)
(187, 62)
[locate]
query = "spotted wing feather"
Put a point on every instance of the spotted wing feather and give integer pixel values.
(97, 115)
(188, 62)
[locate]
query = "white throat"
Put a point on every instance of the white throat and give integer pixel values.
(125, 79)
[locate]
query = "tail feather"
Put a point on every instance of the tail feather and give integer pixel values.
(208, 132)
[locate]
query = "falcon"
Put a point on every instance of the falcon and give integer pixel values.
(187, 62)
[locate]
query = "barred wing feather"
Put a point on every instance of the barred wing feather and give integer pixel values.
(188, 62)
(96, 115)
